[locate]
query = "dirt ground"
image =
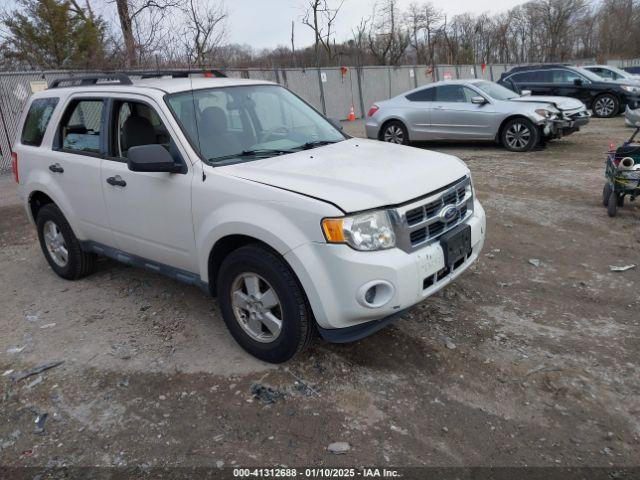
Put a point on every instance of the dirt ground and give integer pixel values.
(512, 365)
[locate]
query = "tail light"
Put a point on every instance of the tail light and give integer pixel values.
(14, 166)
(373, 110)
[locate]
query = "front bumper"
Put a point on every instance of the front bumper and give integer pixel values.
(333, 277)
(561, 127)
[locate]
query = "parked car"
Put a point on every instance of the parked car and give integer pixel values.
(606, 98)
(474, 110)
(613, 73)
(240, 187)
(632, 117)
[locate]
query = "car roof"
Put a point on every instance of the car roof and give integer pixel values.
(164, 84)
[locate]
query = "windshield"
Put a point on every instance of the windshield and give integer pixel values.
(496, 91)
(232, 124)
(586, 73)
(619, 71)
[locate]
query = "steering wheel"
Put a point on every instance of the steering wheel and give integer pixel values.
(277, 133)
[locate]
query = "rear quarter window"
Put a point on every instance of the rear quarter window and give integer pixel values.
(38, 116)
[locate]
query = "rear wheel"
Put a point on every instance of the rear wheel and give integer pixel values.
(263, 304)
(60, 246)
(520, 135)
(612, 204)
(395, 132)
(606, 106)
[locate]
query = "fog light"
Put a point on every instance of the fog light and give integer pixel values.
(370, 296)
(375, 294)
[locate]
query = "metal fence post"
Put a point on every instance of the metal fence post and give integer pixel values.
(322, 101)
(491, 72)
(389, 78)
(359, 72)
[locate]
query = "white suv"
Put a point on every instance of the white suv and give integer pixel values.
(242, 188)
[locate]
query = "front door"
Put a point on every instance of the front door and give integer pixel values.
(149, 213)
(454, 116)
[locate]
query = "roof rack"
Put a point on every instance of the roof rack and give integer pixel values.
(179, 73)
(119, 78)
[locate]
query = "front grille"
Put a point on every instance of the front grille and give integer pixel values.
(419, 223)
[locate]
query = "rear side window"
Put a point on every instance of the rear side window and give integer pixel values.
(81, 127)
(424, 95)
(531, 77)
(37, 120)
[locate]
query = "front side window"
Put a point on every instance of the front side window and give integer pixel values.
(35, 125)
(454, 93)
(81, 128)
(232, 124)
(137, 124)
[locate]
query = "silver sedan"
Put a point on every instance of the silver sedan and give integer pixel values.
(474, 110)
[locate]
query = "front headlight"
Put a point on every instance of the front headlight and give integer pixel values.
(630, 88)
(543, 112)
(364, 231)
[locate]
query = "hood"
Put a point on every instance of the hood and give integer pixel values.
(355, 174)
(561, 103)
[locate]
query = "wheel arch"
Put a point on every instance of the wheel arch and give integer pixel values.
(388, 120)
(38, 199)
(507, 120)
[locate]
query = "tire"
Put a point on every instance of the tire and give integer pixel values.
(520, 135)
(612, 206)
(56, 237)
(244, 314)
(620, 200)
(395, 132)
(606, 106)
(606, 193)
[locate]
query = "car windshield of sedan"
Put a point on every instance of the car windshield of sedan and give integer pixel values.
(242, 123)
(496, 91)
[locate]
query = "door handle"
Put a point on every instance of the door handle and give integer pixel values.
(56, 168)
(116, 181)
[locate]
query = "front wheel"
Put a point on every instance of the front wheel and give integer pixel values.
(263, 304)
(606, 106)
(520, 135)
(606, 193)
(395, 132)
(612, 205)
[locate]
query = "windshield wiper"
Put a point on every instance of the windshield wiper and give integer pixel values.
(315, 143)
(253, 153)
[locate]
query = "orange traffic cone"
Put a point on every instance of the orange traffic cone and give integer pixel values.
(352, 114)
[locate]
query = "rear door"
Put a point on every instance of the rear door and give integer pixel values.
(149, 213)
(454, 116)
(74, 165)
(539, 82)
(418, 113)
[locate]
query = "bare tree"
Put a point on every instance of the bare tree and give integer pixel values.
(320, 16)
(204, 30)
(388, 39)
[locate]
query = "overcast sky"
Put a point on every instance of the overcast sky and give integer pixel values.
(267, 23)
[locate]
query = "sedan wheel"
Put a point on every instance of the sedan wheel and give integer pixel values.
(520, 135)
(395, 132)
(605, 106)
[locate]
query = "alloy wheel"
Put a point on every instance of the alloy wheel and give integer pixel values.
(394, 134)
(604, 106)
(256, 307)
(518, 136)
(55, 244)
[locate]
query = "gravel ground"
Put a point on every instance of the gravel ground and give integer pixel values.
(530, 358)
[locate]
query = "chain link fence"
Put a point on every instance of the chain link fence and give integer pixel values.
(332, 91)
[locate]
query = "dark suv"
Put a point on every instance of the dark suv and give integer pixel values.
(605, 97)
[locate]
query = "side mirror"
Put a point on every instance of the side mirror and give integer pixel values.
(525, 93)
(479, 100)
(577, 82)
(152, 158)
(336, 123)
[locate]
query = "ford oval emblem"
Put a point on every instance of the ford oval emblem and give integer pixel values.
(448, 213)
